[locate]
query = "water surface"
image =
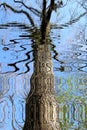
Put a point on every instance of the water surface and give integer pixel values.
(69, 52)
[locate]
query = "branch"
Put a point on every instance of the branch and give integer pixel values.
(18, 11)
(69, 22)
(78, 18)
(44, 10)
(35, 11)
(54, 6)
(74, 20)
(46, 15)
(49, 12)
(82, 4)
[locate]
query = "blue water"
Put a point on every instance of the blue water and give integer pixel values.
(69, 55)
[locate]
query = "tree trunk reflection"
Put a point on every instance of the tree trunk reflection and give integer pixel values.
(41, 105)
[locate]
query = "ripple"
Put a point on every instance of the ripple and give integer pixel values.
(12, 100)
(5, 48)
(17, 50)
(16, 67)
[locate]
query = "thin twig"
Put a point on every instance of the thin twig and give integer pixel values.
(35, 11)
(82, 5)
(18, 11)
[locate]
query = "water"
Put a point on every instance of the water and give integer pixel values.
(70, 68)
(69, 52)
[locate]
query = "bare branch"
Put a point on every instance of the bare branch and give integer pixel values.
(78, 18)
(82, 5)
(21, 2)
(18, 11)
(75, 20)
(44, 10)
(74, 12)
(46, 14)
(35, 11)
(69, 22)
(49, 12)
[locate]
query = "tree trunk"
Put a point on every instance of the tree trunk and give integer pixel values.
(41, 104)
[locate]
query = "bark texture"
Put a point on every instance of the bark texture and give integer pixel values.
(41, 104)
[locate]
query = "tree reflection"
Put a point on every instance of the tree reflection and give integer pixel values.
(41, 105)
(44, 9)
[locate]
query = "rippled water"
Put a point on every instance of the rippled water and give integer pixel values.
(70, 68)
(69, 52)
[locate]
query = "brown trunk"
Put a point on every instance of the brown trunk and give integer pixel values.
(41, 105)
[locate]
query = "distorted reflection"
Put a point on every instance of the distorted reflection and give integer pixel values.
(15, 49)
(13, 92)
(71, 83)
(16, 67)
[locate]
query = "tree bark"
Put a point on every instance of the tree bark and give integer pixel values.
(41, 104)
